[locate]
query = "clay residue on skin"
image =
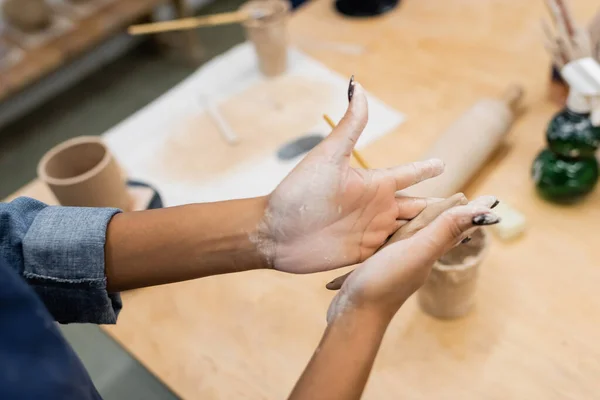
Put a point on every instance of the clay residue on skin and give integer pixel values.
(340, 303)
(264, 241)
(264, 117)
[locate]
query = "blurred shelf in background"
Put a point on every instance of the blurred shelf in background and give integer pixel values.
(80, 40)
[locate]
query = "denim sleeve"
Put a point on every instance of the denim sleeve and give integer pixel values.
(59, 251)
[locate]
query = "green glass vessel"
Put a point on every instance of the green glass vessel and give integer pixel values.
(571, 134)
(567, 169)
(564, 180)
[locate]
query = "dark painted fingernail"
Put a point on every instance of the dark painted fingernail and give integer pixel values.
(466, 240)
(485, 219)
(351, 88)
(495, 203)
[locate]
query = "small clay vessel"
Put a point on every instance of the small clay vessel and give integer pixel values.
(449, 291)
(82, 172)
(267, 30)
(27, 15)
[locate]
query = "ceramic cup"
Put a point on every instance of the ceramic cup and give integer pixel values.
(449, 291)
(83, 172)
(267, 30)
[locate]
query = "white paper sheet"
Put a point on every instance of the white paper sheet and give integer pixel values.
(135, 140)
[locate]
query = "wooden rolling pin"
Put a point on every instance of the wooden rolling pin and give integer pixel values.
(468, 143)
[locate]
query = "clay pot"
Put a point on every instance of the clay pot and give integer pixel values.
(268, 32)
(27, 15)
(83, 172)
(449, 291)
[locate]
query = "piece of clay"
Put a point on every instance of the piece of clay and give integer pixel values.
(27, 15)
(512, 222)
(425, 217)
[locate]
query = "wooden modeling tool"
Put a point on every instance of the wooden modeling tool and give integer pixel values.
(361, 161)
(234, 17)
(224, 128)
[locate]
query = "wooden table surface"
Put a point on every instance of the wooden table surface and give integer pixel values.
(534, 333)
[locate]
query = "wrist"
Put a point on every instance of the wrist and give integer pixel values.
(359, 316)
(262, 237)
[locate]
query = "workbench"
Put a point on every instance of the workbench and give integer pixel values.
(534, 331)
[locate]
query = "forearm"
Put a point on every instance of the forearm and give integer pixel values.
(341, 365)
(179, 243)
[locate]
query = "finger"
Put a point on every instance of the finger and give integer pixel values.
(428, 215)
(466, 237)
(452, 219)
(409, 207)
(486, 201)
(431, 242)
(430, 208)
(413, 173)
(345, 135)
(399, 224)
(337, 283)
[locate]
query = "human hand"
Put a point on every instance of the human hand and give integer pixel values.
(326, 214)
(384, 282)
(425, 217)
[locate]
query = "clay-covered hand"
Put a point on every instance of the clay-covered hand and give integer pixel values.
(326, 214)
(384, 282)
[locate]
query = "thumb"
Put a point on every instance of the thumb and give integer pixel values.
(344, 136)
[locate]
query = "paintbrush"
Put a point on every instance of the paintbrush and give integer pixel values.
(234, 17)
(568, 41)
(594, 29)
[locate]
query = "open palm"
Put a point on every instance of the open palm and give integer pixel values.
(326, 214)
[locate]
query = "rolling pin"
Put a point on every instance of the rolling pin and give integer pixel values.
(468, 143)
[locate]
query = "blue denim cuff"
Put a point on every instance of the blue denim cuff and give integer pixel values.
(63, 253)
